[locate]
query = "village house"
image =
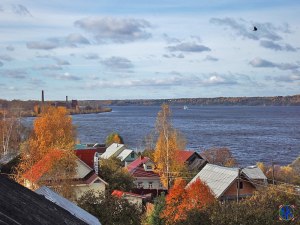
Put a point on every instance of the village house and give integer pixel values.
(132, 198)
(223, 181)
(146, 180)
(120, 151)
(192, 160)
(84, 180)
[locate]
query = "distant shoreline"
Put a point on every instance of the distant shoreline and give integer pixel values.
(219, 101)
(294, 100)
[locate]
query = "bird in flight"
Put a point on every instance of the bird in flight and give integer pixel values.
(254, 28)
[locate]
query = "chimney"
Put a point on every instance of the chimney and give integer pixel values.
(43, 97)
(66, 99)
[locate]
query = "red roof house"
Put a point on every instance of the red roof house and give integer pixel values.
(146, 179)
(192, 159)
(85, 178)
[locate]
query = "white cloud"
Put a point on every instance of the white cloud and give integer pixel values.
(277, 47)
(115, 29)
(244, 28)
(117, 63)
(258, 62)
(188, 47)
(6, 58)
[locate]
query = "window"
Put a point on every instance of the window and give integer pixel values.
(132, 155)
(140, 184)
(150, 185)
(149, 167)
(241, 185)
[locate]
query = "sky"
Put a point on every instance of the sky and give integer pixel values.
(135, 49)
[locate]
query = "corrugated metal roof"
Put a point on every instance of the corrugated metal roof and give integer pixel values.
(218, 178)
(123, 155)
(112, 150)
(139, 161)
(254, 173)
(67, 205)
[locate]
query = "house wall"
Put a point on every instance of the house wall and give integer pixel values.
(156, 184)
(96, 187)
(231, 192)
(129, 159)
(135, 200)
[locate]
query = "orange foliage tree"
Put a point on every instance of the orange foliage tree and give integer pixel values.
(168, 144)
(113, 138)
(181, 201)
(175, 202)
(52, 130)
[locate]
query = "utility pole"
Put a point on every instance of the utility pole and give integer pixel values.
(273, 173)
(238, 185)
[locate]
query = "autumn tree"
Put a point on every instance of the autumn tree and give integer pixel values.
(261, 208)
(168, 144)
(110, 210)
(174, 202)
(52, 130)
(183, 203)
(221, 156)
(12, 132)
(113, 138)
(154, 211)
(113, 172)
(198, 195)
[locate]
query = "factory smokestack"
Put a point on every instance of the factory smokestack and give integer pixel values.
(67, 99)
(43, 97)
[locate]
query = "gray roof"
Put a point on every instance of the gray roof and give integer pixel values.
(19, 205)
(67, 205)
(112, 150)
(123, 155)
(254, 173)
(218, 178)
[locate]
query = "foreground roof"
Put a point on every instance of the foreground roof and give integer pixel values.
(20, 205)
(67, 205)
(218, 178)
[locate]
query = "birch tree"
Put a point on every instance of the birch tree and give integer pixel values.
(168, 144)
(11, 132)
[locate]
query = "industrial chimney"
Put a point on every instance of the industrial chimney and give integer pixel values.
(43, 97)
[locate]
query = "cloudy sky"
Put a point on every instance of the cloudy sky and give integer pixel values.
(133, 49)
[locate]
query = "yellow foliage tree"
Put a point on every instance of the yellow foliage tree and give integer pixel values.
(168, 144)
(53, 129)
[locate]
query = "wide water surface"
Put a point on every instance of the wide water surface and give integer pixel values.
(253, 133)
